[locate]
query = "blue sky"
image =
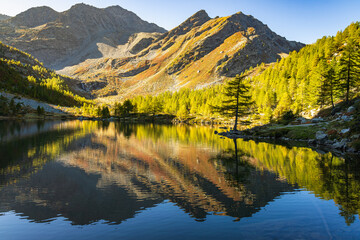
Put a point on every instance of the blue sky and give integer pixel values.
(300, 20)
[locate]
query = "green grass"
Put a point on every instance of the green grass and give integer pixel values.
(302, 133)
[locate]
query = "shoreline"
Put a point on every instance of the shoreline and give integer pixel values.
(260, 134)
(317, 145)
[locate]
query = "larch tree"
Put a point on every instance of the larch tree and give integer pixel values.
(237, 100)
(349, 67)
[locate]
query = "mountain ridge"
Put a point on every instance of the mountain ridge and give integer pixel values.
(72, 36)
(4, 17)
(199, 52)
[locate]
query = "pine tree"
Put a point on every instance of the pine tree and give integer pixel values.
(237, 100)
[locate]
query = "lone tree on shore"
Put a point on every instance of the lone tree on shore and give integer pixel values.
(237, 100)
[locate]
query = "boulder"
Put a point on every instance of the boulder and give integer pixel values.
(320, 135)
(317, 120)
(329, 142)
(344, 131)
(346, 118)
(356, 136)
(340, 145)
(302, 120)
(351, 109)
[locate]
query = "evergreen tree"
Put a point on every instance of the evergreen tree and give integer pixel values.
(237, 100)
(105, 112)
(128, 107)
(328, 83)
(40, 110)
(349, 66)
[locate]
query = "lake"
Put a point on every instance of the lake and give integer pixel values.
(99, 180)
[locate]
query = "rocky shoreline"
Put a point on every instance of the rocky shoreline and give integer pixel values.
(337, 131)
(339, 147)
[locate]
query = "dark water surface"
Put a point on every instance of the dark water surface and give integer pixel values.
(94, 180)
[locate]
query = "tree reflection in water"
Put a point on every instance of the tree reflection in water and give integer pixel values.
(90, 171)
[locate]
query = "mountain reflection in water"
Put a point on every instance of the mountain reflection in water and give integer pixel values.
(92, 171)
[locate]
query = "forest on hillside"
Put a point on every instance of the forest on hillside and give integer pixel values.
(28, 77)
(318, 76)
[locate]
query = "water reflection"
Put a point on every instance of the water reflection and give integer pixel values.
(91, 171)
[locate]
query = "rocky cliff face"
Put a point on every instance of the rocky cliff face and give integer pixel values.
(199, 52)
(70, 37)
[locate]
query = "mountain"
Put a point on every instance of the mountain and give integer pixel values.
(199, 52)
(4, 17)
(70, 37)
(319, 77)
(22, 74)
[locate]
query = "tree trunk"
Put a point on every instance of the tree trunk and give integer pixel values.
(237, 108)
(332, 94)
(348, 81)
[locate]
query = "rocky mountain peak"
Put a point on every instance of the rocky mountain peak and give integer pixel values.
(200, 16)
(195, 20)
(116, 8)
(81, 7)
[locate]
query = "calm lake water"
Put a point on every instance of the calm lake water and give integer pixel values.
(94, 180)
